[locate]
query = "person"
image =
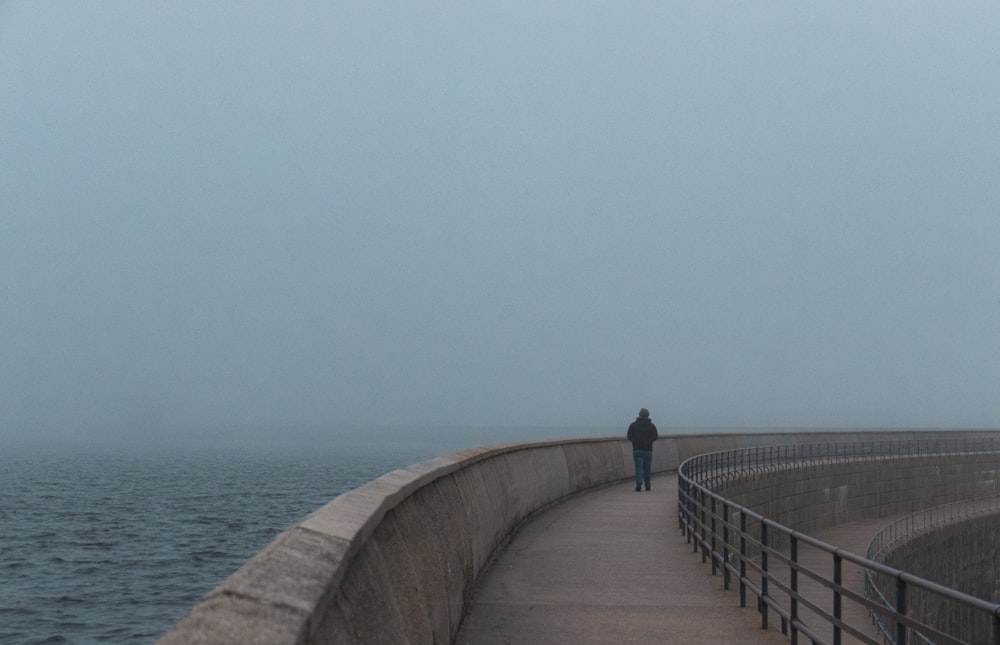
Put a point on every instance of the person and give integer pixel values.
(642, 433)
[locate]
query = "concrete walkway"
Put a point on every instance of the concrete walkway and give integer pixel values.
(610, 566)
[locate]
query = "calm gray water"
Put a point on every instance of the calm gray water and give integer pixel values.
(115, 544)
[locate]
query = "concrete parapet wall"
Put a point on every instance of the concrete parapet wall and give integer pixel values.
(396, 560)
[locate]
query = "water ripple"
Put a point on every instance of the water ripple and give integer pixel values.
(117, 547)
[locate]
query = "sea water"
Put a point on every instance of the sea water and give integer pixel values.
(116, 542)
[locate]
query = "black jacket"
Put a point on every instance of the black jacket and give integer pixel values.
(642, 433)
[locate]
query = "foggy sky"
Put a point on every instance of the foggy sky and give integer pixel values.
(517, 213)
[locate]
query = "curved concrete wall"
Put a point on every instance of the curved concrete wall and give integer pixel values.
(808, 497)
(395, 560)
(966, 557)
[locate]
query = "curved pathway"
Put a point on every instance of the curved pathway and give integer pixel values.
(608, 566)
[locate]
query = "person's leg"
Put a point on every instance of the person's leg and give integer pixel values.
(647, 467)
(639, 477)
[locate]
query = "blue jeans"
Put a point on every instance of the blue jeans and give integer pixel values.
(643, 467)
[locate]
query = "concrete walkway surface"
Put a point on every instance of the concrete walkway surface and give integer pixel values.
(608, 566)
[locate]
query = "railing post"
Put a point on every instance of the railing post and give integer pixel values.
(763, 575)
(793, 577)
(725, 546)
(837, 581)
(743, 558)
(693, 531)
(714, 547)
(681, 501)
(695, 512)
(704, 524)
(996, 628)
(686, 503)
(900, 611)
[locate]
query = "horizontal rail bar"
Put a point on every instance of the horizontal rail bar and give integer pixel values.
(714, 523)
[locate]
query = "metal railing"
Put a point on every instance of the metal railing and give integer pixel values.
(797, 577)
(908, 528)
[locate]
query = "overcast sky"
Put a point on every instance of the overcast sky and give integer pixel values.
(514, 213)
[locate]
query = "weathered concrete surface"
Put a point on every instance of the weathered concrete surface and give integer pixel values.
(812, 496)
(966, 557)
(610, 566)
(396, 560)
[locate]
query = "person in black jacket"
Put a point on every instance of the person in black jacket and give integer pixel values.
(642, 433)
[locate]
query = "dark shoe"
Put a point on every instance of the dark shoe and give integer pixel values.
(638, 488)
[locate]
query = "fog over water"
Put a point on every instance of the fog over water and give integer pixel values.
(480, 214)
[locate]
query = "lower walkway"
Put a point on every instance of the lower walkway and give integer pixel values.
(610, 566)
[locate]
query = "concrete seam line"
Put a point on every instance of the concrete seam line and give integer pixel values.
(260, 601)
